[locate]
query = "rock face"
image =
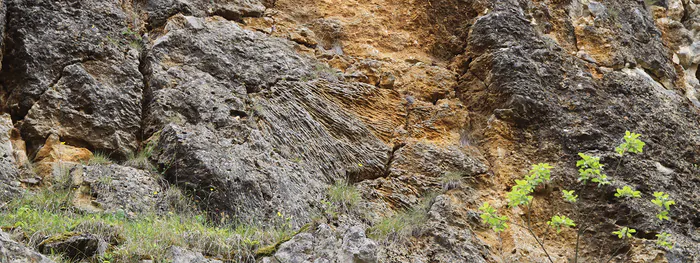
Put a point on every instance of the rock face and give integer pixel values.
(72, 69)
(13, 252)
(327, 244)
(74, 246)
(266, 137)
(158, 11)
(256, 107)
(9, 174)
(563, 105)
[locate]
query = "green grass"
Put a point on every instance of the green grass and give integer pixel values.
(99, 158)
(140, 160)
(403, 223)
(451, 180)
(344, 194)
(49, 213)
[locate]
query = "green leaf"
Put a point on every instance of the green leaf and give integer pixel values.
(632, 144)
(627, 192)
(557, 222)
(663, 240)
(489, 216)
(625, 231)
(569, 196)
(590, 168)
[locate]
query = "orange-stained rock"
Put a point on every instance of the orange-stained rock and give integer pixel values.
(55, 151)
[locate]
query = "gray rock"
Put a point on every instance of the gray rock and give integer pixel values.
(240, 125)
(562, 109)
(75, 246)
(115, 187)
(71, 60)
(358, 247)
(180, 255)
(327, 244)
(9, 174)
(13, 252)
(298, 250)
(159, 11)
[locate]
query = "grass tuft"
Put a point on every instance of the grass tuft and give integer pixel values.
(344, 194)
(451, 180)
(99, 158)
(402, 224)
(49, 213)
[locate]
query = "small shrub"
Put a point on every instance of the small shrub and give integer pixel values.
(176, 201)
(589, 168)
(139, 161)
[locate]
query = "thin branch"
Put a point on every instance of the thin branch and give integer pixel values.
(581, 231)
(624, 238)
(529, 229)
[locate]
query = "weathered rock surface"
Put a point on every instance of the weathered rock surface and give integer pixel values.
(247, 133)
(245, 115)
(74, 246)
(71, 69)
(179, 255)
(14, 252)
(328, 244)
(54, 155)
(158, 11)
(115, 187)
(560, 105)
(9, 174)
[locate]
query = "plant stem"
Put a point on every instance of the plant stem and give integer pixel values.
(503, 259)
(578, 237)
(618, 166)
(624, 238)
(529, 229)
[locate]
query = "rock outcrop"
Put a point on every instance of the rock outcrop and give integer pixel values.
(72, 69)
(257, 107)
(265, 130)
(11, 251)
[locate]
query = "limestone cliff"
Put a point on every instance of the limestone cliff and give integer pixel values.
(257, 110)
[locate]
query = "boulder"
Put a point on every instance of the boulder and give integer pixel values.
(117, 188)
(180, 255)
(75, 246)
(75, 65)
(14, 252)
(9, 174)
(328, 244)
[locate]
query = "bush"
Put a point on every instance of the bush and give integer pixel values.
(589, 167)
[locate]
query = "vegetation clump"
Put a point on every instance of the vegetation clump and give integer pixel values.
(99, 158)
(403, 223)
(132, 237)
(590, 169)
